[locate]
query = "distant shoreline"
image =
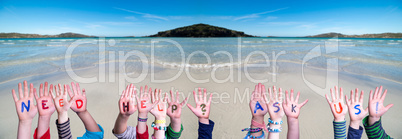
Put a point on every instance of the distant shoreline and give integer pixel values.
(70, 35)
(195, 37)
(202, 30)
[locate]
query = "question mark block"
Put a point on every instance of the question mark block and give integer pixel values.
(203, 109)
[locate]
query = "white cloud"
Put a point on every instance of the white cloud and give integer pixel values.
(308, 26)
(11, 10)
(213, 18)
(158, 18)
(93, 26)
(145, 15)
(96, 25)
(222, 17)
(271, 18)
(130, 18)
(247, 17)
(312, 25)
(282, 23)
(117, 23)
(154, 17)
(256, 15)
(180, 17)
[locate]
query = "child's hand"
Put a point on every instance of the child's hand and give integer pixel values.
(174, 109)
(126, 102)
(44, 101)
(355, 105)
(26, 109)
(159, 111)
(202, 105)
(337, 105)
(78, 100)
(291, 106)
(376, 105)
(275, 108)
(143, 103)
(62, 105)
(78, 104)
(258, 102)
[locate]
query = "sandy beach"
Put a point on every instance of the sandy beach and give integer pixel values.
(229, 111)
(226, 47)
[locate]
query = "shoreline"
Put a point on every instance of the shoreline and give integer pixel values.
(162, 67)
(125, 37)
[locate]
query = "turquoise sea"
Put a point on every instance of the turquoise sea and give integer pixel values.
(20, 58)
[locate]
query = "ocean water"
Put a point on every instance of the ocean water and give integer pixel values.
(20, 58)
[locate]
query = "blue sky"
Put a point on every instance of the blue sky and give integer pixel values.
(262, 18)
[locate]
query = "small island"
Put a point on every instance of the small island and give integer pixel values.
(201, 30)
(62, 35)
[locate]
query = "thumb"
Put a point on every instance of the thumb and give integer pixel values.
(165, 98)
(132, 99)
(84, 93)
(388, 107)
(329, 102)
(347, 100)
(36, 95)
(191, 107)
(184, 102)
(155, 103)
(365, 111)
(138, 101)
(71, 102)
(304, 103)
(71, 94)
(51, 93)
